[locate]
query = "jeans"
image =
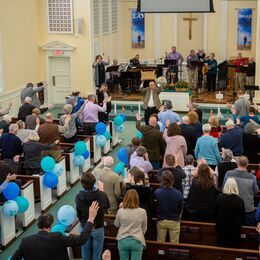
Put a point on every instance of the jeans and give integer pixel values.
(130, 248)
(94, 245)
(89, 128)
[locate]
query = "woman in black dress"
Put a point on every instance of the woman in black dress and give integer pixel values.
(230, 211)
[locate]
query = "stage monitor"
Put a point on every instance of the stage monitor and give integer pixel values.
(175, 6)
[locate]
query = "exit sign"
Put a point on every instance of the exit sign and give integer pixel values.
(58, 53)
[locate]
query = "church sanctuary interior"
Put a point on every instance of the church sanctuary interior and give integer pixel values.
(129, 129)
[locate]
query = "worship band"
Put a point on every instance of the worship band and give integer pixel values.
(202, 71)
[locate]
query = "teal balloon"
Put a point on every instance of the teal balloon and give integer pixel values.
(80, 147)
(120, 168)
(48, 164)
(86, 155)
(122, 155)
(50, 180)
(59, 228)
(10, 208)
(101, 141)
(118, 120)
(11, 191)
(120, 129)
(107, 135)
(58, 170)
(66, 215)
(100, 128)
(23, 203)
(123, 117)
(139, 135)
(79, 160)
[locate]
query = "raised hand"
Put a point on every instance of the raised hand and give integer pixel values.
(138, 117)
(10, 177)
(92, 213)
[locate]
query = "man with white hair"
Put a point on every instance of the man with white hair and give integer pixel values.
(188, 133)
(11, 145)
(4, 124)
(232, 139)
(152, 140)
(111, 182)
(27, 108)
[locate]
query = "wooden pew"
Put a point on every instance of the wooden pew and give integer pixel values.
(27, 190)
(201, 233)
(156, 250)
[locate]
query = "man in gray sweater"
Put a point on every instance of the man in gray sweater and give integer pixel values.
(247, 187)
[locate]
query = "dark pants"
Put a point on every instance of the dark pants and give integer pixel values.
(200, 77)
(31, 171)
(250, 219)
(72, 139)
(103, 117)
(211, 82)
(148, 112)
(155, 164)
(89, 128)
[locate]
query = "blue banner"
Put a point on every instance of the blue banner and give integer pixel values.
(244, 29)
(138, 29)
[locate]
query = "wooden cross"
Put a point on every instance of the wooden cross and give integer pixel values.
(190, 20)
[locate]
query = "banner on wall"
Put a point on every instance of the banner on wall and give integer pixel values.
(244, 29)
(138, 30)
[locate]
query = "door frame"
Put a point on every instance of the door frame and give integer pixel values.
(50, 49)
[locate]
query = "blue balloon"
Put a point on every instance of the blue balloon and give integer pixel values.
(86, 155)
(58, 170)
(23, 203)
(107, 135)
(120, 129)
(47, 164)
(101, 140)
(79, 160)
(122, 155)
(11, 191)
(66, 215)
(80, 147)
(101, 128)
(139, 135)
(120, 168)
(118, 120)
(123, 117)
(59, 228)
(50, 180)
(10, 208)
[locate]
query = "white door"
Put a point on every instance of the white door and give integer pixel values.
(60, 79)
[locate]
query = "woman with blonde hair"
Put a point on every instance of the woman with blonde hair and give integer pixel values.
(195, 123)
(215, 127)
(230, 213)
(132, 223)
(32, 153)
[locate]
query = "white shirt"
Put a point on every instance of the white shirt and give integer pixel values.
(151, 101)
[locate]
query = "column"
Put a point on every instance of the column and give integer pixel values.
(258, 45)
(205, 33)
(157, 36)
(223, 30)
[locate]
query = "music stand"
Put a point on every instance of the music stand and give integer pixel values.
(251, 89)
(168, 63)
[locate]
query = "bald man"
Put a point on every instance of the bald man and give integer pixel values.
(188, 133)
(49, 133)
(152, 140)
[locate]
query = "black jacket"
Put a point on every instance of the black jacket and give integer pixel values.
(50, 246)
(26, 110)
(83, 201)
(188, 132)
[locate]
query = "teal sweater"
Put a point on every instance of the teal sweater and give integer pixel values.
(207, 148)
